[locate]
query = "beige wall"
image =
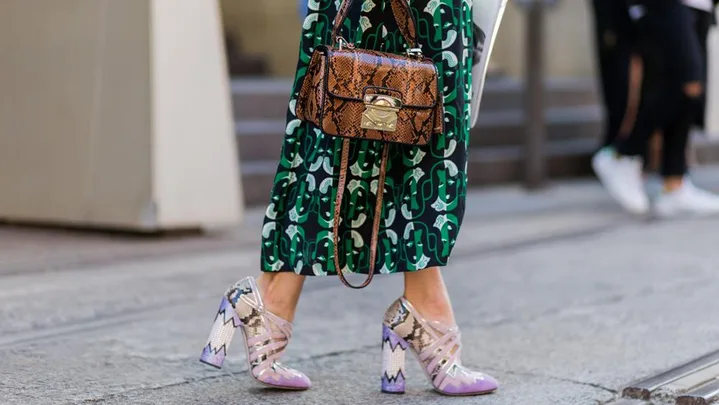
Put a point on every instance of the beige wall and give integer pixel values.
(569, 36)
(271, 27)
(54, 129)
(116, 114)
(195, 169)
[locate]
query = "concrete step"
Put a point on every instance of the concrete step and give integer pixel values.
(569, 158)
(506, 127)
(257, 180)
(267, 99)
(505, 164)
(487, 166)
(262, 139)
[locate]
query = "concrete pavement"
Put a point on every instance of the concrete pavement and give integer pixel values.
(560, 295)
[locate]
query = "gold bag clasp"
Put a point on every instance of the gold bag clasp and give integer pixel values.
(380, 112)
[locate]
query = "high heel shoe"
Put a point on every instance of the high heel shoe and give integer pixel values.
(265, 336)
(437, 348)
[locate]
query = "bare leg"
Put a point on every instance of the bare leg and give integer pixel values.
(426, 291)
(281, 293)
(437, 346)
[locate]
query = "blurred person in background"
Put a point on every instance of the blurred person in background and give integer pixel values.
(671, 39)
(619, 67)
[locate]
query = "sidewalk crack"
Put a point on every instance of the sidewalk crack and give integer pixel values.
(558, 378)
(226, 373)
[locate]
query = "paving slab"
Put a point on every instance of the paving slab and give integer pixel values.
(565, 304)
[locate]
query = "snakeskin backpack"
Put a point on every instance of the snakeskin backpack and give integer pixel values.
(364, 94)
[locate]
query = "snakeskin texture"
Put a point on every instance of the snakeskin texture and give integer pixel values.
(393, 362)
(310, 99)
(223, 330)
(439, 118)
(351, 73)
(266, 336)
(438, 349)
(332, 96)
(405, 21)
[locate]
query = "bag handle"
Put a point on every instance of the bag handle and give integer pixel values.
(402, 15)
(377, 213)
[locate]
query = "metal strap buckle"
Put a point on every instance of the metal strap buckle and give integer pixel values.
(415, 53)
(342, 43)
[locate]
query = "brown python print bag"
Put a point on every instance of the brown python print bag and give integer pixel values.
(364, 94)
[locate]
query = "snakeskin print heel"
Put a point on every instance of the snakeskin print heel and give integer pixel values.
(436, 346)
(393, 362)
(265, 336)
(223, 330)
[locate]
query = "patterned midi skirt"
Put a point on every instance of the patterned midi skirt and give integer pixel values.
(424, 196)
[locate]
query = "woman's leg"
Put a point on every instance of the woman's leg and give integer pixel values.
(266, 329)
(423, 322)
(281, 293)
(681, 48)
(425, 289)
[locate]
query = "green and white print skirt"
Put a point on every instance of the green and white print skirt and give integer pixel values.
(426, 186)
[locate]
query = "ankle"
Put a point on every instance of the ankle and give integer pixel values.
(275, 298)
(673, 183)
(276, 303)
(432, 307)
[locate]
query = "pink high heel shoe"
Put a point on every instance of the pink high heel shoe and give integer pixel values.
(437, 348)
(266, 335)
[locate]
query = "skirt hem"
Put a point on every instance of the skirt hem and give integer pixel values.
(308, 271)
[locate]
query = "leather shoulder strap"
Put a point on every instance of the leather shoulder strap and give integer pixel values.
(342, 182)
(402, 15)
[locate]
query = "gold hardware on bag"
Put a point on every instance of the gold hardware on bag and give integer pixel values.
(380, 112)
(343, 43)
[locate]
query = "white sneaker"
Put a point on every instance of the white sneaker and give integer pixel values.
(687, 200)
(622, 177)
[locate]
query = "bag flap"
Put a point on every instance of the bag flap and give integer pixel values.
(352, 72)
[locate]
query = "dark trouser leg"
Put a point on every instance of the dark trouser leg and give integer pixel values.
(670, 50)
(685, 67)
(614, 51)
(702, 24)
(676, 132)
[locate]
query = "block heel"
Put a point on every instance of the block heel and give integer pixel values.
(223, 330)
(394, 351)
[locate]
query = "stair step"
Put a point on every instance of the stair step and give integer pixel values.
(502, 128)
(487, 165)
(258, 99)
(259, 140)
(262, 139)
(505, 164)
(257, 180)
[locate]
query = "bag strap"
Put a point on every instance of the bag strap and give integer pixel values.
(402, 15)
(377, 213)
